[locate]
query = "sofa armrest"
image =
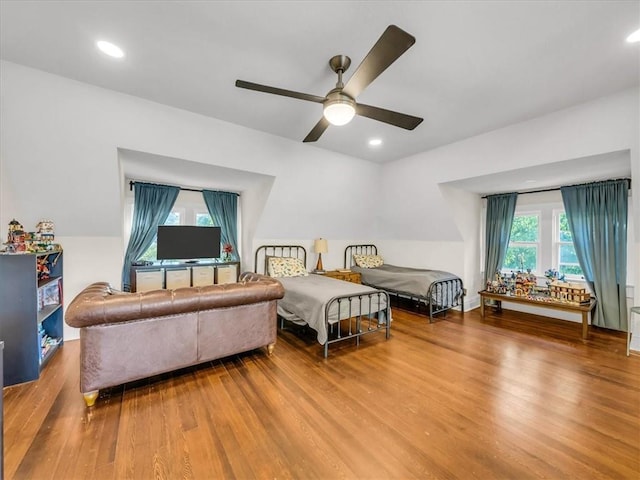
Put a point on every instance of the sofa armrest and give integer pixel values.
(100, 304)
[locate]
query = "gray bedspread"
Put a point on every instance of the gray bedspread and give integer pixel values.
(305, 300)
(415, 281)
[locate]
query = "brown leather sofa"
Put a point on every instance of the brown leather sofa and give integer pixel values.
(129, 336)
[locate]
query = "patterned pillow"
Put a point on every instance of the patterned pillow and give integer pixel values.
(368, 261)
(286, 267)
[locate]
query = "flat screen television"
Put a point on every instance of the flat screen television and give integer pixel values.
(188, 242)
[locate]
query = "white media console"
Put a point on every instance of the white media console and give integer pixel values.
(172, 275)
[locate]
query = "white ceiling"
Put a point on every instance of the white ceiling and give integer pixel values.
(476, 65)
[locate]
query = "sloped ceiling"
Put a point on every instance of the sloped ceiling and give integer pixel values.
(476, 65)
(551, 175)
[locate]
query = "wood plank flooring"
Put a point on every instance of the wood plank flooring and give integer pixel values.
(511, 396)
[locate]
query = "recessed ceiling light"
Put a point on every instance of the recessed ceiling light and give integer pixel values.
(634, 37)
(375, 142)
(110, 49)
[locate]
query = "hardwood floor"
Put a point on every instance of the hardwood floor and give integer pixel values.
(508, 397)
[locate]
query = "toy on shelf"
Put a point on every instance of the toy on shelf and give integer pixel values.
(41, 240)
(569, 293)
(16, 238)
(518, 284)
(45, 230)
(553, 275)
(42, 267)
(525, 284)
(499, 284)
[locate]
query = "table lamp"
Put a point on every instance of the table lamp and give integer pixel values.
(320, 246)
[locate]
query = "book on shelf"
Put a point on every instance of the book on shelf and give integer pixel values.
(49, 294)
(47, 342)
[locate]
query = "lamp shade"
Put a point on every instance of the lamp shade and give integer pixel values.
(320, 245)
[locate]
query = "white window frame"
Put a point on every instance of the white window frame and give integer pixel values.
(548, 253)
(200, 211)
(557, 243)
(537, 245)
(181, 211)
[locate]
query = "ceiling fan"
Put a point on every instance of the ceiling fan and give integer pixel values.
(339, 105)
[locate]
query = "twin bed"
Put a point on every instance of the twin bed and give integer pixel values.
(438, 291)
(337, 310)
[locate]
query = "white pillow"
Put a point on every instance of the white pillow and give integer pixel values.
(368, 261)
(286, 267)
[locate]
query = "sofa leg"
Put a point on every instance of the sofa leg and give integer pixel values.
(270, 348)
(90, 398)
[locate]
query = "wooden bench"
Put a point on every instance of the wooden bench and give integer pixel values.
(583, 308)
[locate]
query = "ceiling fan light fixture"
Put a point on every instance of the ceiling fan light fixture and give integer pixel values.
(339, 109)
(339, 113)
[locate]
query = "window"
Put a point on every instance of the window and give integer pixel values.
(524, 243)
(541, 240)
(175, 218)
(203, 219)
(567, 260)
(189, 209)
(178, 217)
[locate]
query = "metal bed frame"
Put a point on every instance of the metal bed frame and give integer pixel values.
(345, 328)
(441, 296)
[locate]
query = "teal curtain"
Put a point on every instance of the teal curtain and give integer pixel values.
(597, 216)
(223, 208)
(152, 205)
(500, 210)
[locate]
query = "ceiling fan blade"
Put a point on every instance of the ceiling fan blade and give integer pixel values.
(279, 91)
(390, 46)
(317, 131)
(402, 120)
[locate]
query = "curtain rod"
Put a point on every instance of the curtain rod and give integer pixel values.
(132, 183)
(558, 188)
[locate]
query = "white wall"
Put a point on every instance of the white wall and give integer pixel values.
(608, 124)
(59, 148)
(60, 141)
